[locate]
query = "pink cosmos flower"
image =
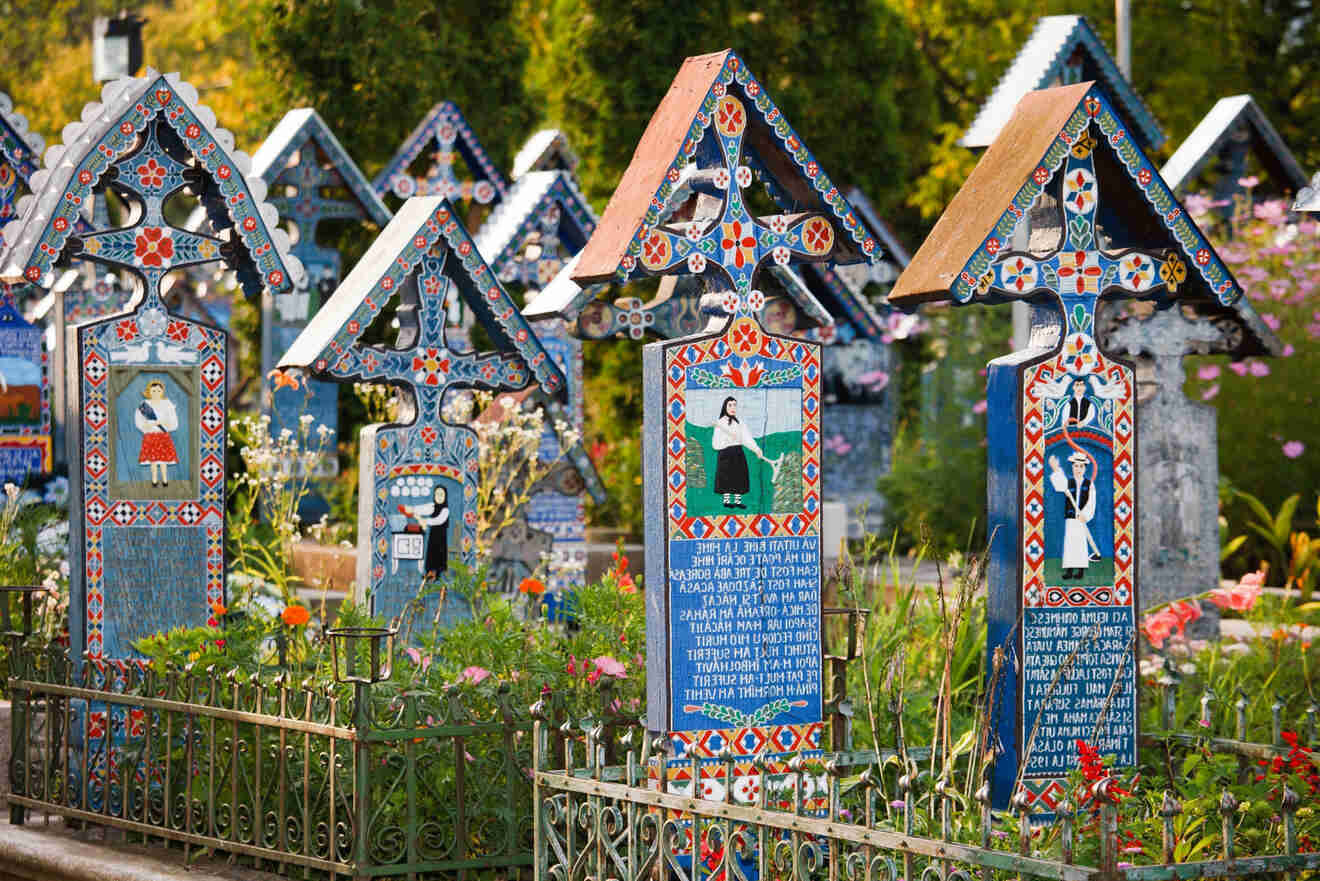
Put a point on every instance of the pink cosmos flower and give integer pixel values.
(1259, 368)
(1210, 392)
(1294, 448)
(1270, 321)
(609, 666)
(475, 675)
(1287, 350)
(1248, 182)
(1238, 367)
(979, 407)
(1208, 372)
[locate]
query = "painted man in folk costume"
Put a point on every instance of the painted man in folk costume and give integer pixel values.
(1079, 509)
(732, 479)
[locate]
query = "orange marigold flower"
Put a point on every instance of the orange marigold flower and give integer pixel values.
(295, 615)
(533, 586)
(218, 608)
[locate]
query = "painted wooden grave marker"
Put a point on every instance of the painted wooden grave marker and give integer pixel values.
(1233, 140)
(543, 222)
(441, 139)
(1063, 573)
(732, 433)
(25, 421)
(25, 440)
(312, 179)
(148, 497)
(1308, 198)
(417, 483)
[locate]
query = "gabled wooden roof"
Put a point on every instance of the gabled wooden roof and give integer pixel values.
(1043, 61)
(669, 144)
(1014, 171)
(1202, 145)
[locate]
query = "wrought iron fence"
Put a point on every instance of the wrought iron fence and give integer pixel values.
(875, 816)
(299, 778)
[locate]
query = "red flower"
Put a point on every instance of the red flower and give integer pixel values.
(154, 247)
(151, 174)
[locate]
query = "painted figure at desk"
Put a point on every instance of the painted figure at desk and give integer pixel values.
(433, 516)
(156, 417)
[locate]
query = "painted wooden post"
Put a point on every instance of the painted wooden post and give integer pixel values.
(417, 486)
(528, 238)
(1062, 50)
(732, 432)
(1064, 508)
(312, 179)
(147, 387)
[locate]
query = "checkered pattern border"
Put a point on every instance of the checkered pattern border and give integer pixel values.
(101, 509)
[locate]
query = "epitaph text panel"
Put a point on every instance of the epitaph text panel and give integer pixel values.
(744, 626)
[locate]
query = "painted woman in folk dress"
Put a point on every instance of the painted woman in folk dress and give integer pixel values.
(731, 438)
(156, 417)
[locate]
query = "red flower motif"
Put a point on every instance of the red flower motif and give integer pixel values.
(1143, 177)
(249, 224)
(992, 246)
(151, 174)
(429, 435)
(1041, 175)
(126, 330)
(223, 172)
(177, 331)
(126, 128)
(739, 246)
(465, 248)
(1203, 257)
(154, 247)
(275, 278)
(84, 177)
(60, 224)
(193, 131)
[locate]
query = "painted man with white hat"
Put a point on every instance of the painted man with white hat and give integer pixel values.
(1079, 548)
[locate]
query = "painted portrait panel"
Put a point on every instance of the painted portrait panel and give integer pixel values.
(153, 428)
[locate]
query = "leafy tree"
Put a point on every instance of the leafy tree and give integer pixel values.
(373, 70)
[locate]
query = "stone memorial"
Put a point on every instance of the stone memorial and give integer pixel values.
(732, 430)
(417, 485)
(1063, 209)
(312, 179)
(1234, 139)
(1178, 448)
(544, 221)
(148, 495)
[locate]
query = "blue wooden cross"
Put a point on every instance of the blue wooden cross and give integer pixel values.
(147, 519)
(303, 191)
(1062, 433)
(418, 476)
(729, 249)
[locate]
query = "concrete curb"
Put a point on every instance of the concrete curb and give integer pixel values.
(52, 853)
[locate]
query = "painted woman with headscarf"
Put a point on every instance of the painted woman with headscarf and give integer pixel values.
(731, 438)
